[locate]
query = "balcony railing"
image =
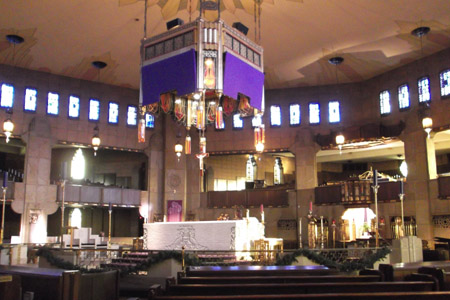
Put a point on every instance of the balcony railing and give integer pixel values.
(99, 195)
(248, 198)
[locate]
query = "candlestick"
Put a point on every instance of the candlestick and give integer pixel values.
(375, 177)
(262, 217)
(5, 179)
(401, 187)
(110, 206)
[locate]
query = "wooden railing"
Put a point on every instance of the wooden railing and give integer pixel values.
(248, 198)
(356, 192)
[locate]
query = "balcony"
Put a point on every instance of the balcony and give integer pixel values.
(99, 195)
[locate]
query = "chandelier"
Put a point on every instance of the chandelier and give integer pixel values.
(201, 72)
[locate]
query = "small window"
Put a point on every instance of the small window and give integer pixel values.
(334, 112)
(94, 110)
(256, 121)
(132, 115)
(30, 100)
(238, 123)
(294, 114)
(445, 83)
(275, 115)
(149, 120)
(74, 107)
(113, 113)
(385, 103)
(424, 89)
(7, 97)
(314, 113)
(53, 104)
(403, 97)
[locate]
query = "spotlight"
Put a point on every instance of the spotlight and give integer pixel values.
(174, 23)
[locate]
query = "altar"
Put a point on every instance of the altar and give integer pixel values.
(203, 235)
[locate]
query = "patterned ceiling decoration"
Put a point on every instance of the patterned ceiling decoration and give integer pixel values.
(298, 37)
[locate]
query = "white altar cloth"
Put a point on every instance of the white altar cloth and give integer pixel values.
(205, 235)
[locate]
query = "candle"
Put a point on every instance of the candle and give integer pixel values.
(262, 217)
(110, 206)
(401, 187)
(262, 208)
(248, 213)
(375, 178)
(310, 206)
(5, 179)
(64, 170)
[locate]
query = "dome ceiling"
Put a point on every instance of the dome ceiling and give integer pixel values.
(299, 36)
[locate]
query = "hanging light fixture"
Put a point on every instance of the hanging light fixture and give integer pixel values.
(8, 125)
(95, 140)
(340, 140)
(178, 147)
(259, 138)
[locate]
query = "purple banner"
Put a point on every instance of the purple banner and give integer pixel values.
(240, 77)
(177, 73)
(174, 210)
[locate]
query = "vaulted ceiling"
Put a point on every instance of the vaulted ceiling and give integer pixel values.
(299, 36)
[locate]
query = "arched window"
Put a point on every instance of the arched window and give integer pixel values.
(78, 165)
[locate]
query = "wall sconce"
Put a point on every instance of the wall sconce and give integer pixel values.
(8, 127)
(340, 140)
(427, 124)
(96, 140)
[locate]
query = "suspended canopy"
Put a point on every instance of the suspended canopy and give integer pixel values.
(202, 65)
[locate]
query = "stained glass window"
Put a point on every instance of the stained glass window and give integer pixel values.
(403, 96)
(74, 107)
(149, 120)
(7, 96)
(238, 123)
(445, 83)
(94, 110)
(132, 115)
(314, 113)
(113, 113)
(294, 114)
(385, 103)
(53, 104)
(424, 89)
(275, 115)
(334, 112)
(30, 100)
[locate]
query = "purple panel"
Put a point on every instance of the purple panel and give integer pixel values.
(240, 77)
(177, 73)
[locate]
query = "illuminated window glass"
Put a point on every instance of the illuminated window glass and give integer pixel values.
(385, 103)
(149, 120)
(275, 115)
(256, 121)
(53, 104)
(445, 83)
(403, 96)
(334, 112)
(294, 114)
(314, 113)
(424, 89)
(30, 100)
(7, 97)
(238, 123)
(94, 110)
(74, 107)
(132, 115)
(113, 113)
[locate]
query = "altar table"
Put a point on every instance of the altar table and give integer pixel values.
(203, 235)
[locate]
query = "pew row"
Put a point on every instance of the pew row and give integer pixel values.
(276, 279)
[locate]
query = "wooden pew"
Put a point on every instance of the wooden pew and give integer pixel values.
(297, 288)
(51, 284)
(278, 279)
(396, 272)
(10, 287)
(206, 271)
(339, 296)
(441, 276)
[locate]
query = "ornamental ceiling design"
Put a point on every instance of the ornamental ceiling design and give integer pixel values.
(63, 37)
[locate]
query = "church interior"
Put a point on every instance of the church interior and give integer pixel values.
(225, 139)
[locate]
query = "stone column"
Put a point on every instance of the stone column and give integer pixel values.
(305, 150)
(421, 160)
(35, 198)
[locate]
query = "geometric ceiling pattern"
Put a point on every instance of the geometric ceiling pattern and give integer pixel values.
(298, 36)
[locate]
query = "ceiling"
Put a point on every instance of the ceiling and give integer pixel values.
(299, 36)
